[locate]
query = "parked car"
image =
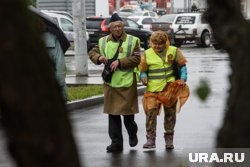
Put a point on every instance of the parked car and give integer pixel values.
(160, 11)
(97, 27)
(164, 23)
(128, 10)
(145, 21)
(145, 13)
(66, 25)
(191, 27)
(59, 12)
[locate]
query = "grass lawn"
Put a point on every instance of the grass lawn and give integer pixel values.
(83, 91)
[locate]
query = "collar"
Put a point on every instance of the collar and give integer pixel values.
(123, 37)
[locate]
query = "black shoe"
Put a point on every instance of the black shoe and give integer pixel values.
(114, 148)
(133, 141)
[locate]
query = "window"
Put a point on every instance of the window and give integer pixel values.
(127, 10)
(95, 23)
(152, 14)
(167, 18)
(185, 20)
(132, 24)
(147, 21)
(66, 25)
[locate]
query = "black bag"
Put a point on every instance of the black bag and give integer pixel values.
(107, 72)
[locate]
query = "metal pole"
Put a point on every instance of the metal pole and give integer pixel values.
(150, 5)
(172, 6)
(80, 43)
(189, 5)
(185, 5)
(117, 6)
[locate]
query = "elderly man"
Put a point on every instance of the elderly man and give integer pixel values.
(120, 92)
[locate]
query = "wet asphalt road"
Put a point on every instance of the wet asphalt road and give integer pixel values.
(196, 126)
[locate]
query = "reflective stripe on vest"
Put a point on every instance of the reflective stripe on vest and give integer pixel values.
(104, 41)
(104, 45)
(160, 72)
(165, 70)
(120, 78)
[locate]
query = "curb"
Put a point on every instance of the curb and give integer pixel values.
(94, 100)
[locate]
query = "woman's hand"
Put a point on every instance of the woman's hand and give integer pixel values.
(181, 82)
(144, 78)
(144, 81)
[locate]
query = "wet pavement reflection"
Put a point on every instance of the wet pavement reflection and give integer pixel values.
(196, 127)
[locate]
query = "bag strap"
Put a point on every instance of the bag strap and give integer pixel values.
(116, 54)
(117, 51)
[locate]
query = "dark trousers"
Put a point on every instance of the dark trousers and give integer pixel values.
(115, 127)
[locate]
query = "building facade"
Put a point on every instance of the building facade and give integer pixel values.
(92, 7)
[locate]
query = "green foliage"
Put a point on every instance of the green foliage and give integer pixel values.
(83, 91)
(203, 90)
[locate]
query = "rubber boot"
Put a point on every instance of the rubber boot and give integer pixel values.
(169, 137)
(150, 142)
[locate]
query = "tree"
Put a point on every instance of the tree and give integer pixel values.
(33, 112)
(233, 32)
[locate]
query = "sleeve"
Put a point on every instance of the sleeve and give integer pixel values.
(143, 67)
(94, 55)
(183, 73)
(133, 60)
(143, 75)
(180, 59)
(60, 72)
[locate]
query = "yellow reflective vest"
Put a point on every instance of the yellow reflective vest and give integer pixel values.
(120, 78)
(160, 72)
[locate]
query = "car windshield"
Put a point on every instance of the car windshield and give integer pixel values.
(185, 20)
(92, 23)
(135, 19)
(166, 18)
(127, 10)
(131, 23)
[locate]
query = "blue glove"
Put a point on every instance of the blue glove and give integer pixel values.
(183, 72)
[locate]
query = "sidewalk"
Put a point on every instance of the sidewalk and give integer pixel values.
(94, 77)
(75, 80)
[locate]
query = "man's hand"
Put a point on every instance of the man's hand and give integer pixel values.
(114, 65)
(103, 59)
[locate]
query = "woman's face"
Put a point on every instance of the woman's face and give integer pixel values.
(116, 28)
(158, 47)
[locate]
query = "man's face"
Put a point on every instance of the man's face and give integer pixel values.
(116, 28)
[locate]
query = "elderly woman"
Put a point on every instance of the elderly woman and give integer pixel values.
(157, 72)
(121, 53)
